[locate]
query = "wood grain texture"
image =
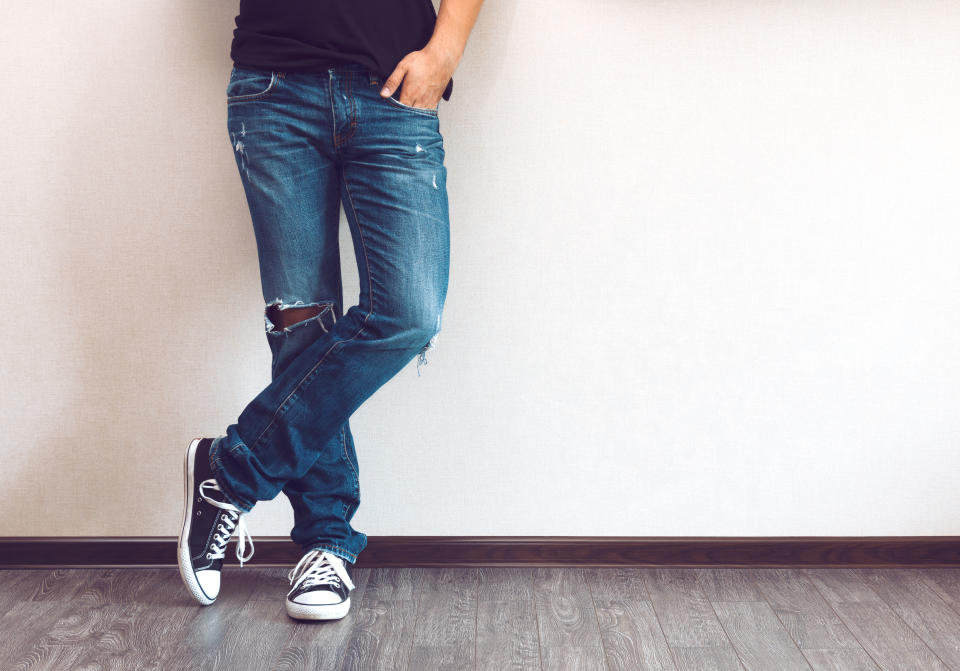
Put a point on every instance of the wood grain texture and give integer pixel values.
(880, 631)
(689, 623)
(424, 618)
(444, 633)
(750, 623)
(631, 634)
(818, 631)
(16, 586)
(383, 620)
(507, 633)
(209, 632)
(920, 607)
(566, 620)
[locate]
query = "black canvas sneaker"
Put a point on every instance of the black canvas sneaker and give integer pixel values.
(208, 523)
(321, 587)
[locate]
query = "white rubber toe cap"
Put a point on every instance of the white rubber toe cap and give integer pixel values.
(320, 597)
(209, 582)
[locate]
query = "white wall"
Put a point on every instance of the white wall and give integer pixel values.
(704, 279)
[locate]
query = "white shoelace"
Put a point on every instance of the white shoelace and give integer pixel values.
(232, 519)
(318, 568)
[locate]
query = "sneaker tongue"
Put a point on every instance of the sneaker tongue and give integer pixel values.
(204, 471)
(210, 491)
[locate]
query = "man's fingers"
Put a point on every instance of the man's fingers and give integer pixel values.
(393, 81)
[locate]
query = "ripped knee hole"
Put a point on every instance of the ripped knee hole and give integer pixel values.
(281, 318)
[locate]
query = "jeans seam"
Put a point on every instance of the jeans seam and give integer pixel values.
(366, 256)
(306, 378)
(356, 476)
(343, 447)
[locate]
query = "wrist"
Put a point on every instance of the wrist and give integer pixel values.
(446, 54)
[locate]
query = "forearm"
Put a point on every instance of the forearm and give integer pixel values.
(455, 19)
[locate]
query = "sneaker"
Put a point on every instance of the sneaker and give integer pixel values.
(321, 587)
(208, 523)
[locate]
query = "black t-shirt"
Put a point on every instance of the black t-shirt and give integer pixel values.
(313, 35)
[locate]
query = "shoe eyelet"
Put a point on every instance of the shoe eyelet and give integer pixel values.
(209, 556)
(198, 513)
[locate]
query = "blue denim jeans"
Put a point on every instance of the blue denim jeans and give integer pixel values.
(305, 143)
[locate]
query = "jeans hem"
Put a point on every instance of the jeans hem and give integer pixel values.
(332, 549)
(216, 465)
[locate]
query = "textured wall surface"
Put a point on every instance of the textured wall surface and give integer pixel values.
(704, 277)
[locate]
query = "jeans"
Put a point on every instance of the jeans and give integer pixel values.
(304, 143)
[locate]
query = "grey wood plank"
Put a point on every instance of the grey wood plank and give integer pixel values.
(139, 623)
(16, 585)
(507, 636)
(96, 588)
(805, 613)
(394, 584)
(165, 610)
(206, 636)
(728, 584)
(689, 623)
(565, 612)
(839, 659)
(944, 581)
(629, 629)
(921, 607)
(881, 632)
(505, 584)
(23, 626)
(758, 636)
(35, 601)
(383, 631)
(567, 657)
(319, 644)
(260, 631)
(705, 658)
(59, 584)
(94, 621)
(444, 634)
(506, 620)
(382, 636)
(818, 631)
(567, 623)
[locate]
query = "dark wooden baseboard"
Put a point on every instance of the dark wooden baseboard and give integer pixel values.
(770, 551)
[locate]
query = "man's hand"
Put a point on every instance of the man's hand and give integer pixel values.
(424, 73)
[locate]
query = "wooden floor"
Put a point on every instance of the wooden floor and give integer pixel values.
(490, 618)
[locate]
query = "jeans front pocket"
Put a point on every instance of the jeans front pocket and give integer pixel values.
(248, 84)
(376, 84)
(429, 111)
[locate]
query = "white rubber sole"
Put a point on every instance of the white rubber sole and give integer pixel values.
(303, 611)
(183, 546)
